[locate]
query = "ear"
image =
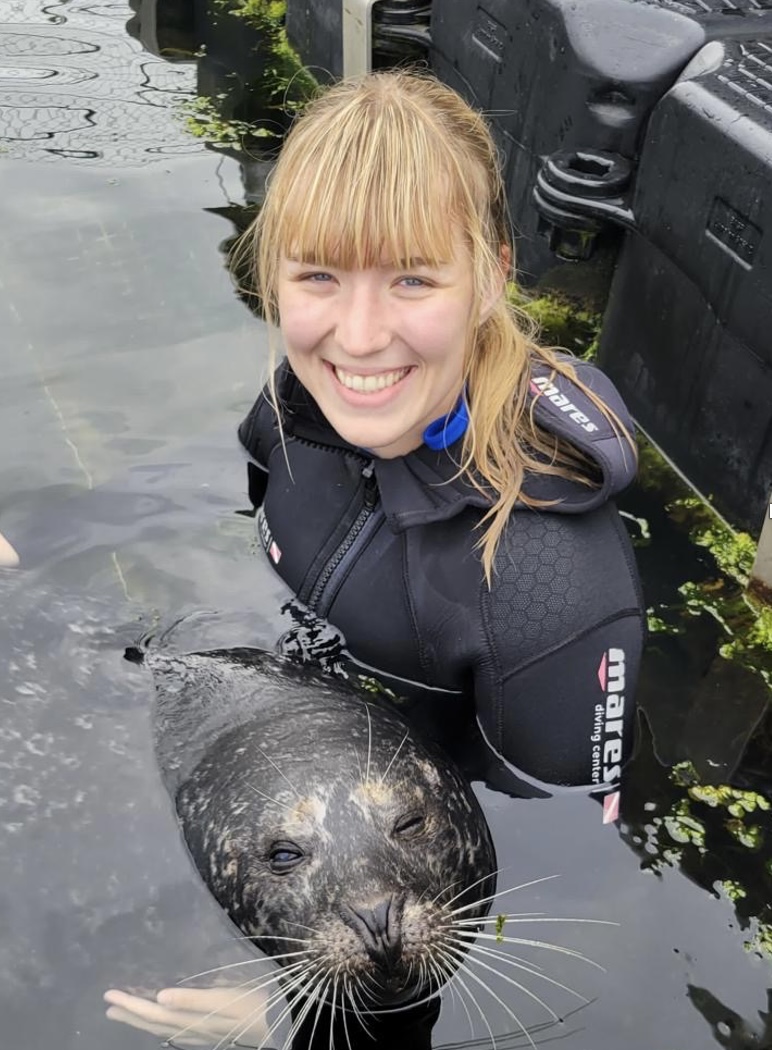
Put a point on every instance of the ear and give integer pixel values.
(505, 256)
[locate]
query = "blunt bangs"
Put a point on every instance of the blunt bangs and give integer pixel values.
(367, 189)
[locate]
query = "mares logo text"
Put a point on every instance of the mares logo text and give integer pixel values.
(542, 385)
(608, 724)
(269, 543)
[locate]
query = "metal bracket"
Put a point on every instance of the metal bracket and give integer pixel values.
(357, 36)
(576, 193)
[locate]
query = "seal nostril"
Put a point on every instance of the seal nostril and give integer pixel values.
(380, 928)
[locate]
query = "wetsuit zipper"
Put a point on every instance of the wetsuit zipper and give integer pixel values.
(357, 536)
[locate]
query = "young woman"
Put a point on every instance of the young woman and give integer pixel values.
(430, 481)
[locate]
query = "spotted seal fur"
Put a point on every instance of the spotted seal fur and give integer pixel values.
(333, 836)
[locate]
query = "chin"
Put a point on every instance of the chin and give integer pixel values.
(366, 438)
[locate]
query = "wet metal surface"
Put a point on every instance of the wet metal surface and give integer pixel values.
(127, 361)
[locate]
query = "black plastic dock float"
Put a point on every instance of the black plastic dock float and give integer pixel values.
(687, 334)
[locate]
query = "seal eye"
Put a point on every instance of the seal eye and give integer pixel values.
(410, 824)
(283, 857)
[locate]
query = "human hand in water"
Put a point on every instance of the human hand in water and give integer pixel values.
(194, 1016)
(9, 559)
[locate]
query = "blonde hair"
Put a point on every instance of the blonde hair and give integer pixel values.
(396, 160)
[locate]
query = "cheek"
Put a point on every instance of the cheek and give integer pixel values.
(440, 335)
(301, 323)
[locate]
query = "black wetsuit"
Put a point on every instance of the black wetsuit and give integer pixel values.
(384, 550)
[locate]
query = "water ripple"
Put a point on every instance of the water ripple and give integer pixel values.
(75, 85)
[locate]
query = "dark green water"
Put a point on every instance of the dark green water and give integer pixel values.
(127, 361)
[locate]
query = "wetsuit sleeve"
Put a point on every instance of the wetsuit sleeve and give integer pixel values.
(565, 626)
(567, 718)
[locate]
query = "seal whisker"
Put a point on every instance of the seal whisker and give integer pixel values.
(369, 743)
(499, 893)
(469, 945)
(236, 1033)
(526, 942)
(344, 1012)
(232, 1036)
(333, 1006)
(300, 925)
(320, 994)
(491, 874)
(279, 771)
(533, 917)
(274, 937)
(245, 962)
(292, 977)
(462, 966)
(450, 886)
(255, 986)
(394, 757)
(367, 997)
(519, 916)
(296, 974)
(473, 960)
(362, 1011)
(460, 980)
(301, 981)
(519, 965)
(268, 798)
(444, 977)
(297, 977)
(357, 1012)
(407, 1006)
(277, 937)
(359, 764)
(291, 955)
(369, 991)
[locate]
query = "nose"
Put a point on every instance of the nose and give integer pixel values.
(362, 327)
(380, 928)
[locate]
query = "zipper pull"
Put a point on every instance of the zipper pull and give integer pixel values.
(371, 486)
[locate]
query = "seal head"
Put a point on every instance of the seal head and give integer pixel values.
(334, 837)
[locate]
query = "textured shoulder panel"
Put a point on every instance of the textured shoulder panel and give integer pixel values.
(556, 577)
(562, 407)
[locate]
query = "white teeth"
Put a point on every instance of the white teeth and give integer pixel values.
(369, 384)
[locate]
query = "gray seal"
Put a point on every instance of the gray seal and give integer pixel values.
(333, 836)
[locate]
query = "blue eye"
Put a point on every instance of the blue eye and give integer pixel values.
(283, 857)
(311, 276)
(420, 284)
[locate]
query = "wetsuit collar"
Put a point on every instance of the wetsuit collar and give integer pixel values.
(427, 485)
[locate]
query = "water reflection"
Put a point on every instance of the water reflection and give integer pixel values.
(73, 86)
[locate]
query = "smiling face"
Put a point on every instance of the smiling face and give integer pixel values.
(375, 176)
(381, 349)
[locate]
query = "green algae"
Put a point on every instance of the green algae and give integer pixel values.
(500, 922)
(204, 121)
(281, 84)
(560, 322)
(285, 79)
(746, 623)
(717, 836)
(377, 688)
